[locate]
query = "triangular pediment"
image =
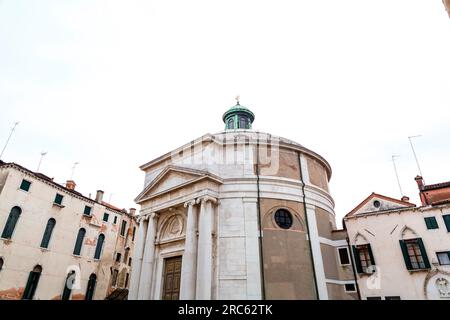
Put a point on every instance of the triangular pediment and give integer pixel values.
(173, 177)
(379, 203)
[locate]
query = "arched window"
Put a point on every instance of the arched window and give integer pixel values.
(79, 242)
(1, 264)
(243, 122)
(48, 232)
(11, 222)
(98, 248)
(127, 278)
(127, 253)
(91, 287)
(231, 123)
(32, 283)
(68, 284)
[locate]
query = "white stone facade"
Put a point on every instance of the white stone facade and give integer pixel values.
(210, 185)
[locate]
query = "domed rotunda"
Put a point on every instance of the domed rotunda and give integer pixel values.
(239, 214)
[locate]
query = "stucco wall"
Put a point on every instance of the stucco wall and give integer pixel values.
(23, 251)
(288, 272)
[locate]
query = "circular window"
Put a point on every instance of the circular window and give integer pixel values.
(283, 218)
(376, 204)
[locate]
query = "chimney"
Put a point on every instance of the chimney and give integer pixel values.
(405, 199)
(419, 181)
(132, 211)
(70, 184)
(99, 196)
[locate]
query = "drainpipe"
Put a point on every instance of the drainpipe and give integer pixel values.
(307, 226)
(350, 251)
(261, 259)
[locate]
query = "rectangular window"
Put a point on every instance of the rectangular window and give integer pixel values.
(444, 258)
(392, 298)
(350, 287)
(344, 258)
(58, 199)
(447, 221)
(373, 298)
(134, 233)
(129, 261)
(123, 228)
(364, 259)
(114, 278)
(115, 220)
(106, 217)
(25, 185)
(87, 211)
(414, 254)
(118, 256)
(431, 223)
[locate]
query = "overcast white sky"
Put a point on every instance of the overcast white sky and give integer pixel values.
(114, 84)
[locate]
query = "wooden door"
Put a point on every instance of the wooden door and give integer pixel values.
(172, 277)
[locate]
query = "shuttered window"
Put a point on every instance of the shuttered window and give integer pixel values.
(447, 221)
(106, 217)
(87, 211)
(10, 225)
(364, 259)
(99, 247)
(25, 185)
(79, 241)
(68, 285)
(123, 228)
(431, 223)
(414, 254)
(32, 283)
(91, 287)
(58, 199)
(48, 233)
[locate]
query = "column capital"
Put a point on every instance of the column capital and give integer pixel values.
(205, 199)
(189, 203)
(153, 215)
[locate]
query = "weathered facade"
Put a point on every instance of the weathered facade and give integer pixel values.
(55, 243)
(401, 251)
(239, 215)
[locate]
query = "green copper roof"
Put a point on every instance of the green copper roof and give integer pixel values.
(238, 109)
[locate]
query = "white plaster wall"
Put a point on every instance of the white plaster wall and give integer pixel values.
(23, 252)
(383, 232)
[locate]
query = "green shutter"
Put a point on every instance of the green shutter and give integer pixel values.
(447, 221)
(372, 260)
(424, 253)
(406, 255)
(357, 260)
(31, 286)
(431, 223)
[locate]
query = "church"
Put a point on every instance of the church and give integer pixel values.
(239, 214)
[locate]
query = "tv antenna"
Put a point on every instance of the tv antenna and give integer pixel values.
(73, 169)
(43, 153)
(414, 152)
(7, 141)
(396, 174)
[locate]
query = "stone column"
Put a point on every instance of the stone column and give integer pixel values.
(137, 262)
(204, 257)
(189, 263)
(148, 259)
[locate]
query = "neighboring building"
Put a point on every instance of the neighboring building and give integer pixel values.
(202, 209)
(402, 251)
(123, 257)
(55, 243)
